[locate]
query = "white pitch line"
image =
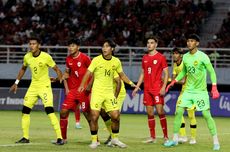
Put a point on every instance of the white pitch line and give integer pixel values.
(14, 145)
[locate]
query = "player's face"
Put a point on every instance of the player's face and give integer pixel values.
(73, 49)
(106, 49)
(176, 56)
(191, 44)
(151, 45)
(34, 46)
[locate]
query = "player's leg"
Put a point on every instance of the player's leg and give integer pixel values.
(29, 100)
(46, 96)
(77, 117)
(159, 102)
(192, 118)
(107, 119)
(64, 115)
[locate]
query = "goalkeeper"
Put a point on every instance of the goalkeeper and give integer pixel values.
(195, 64)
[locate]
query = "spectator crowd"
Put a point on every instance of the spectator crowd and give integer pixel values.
(128, 22)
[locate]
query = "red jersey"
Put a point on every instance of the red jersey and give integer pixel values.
(153, 66)
(78, 66)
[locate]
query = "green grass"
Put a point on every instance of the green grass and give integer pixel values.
(133, 130)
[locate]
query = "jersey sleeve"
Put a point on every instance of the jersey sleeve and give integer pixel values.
(174, 69)
(92, 66)
(25, 61)
(164, 62)
(119, 67)
(87, 61)
(50, 61)
(67, 63)
(115, 75)
(206, 59)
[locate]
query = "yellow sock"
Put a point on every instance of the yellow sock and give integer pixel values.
(108, 124)
(182, 131)
(115, 135)
(55, 124)
(25, 125)
(191, 115)
(94, 138)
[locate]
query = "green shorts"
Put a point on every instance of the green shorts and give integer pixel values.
(43, 92)
(179, 101)
(199, 99)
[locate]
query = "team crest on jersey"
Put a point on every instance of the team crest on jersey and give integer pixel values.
(154, 61)
(195, 63)
(113, 67)
(40, 64)
(78, 64)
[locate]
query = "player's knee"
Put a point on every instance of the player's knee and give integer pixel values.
(105, 116)
(49, 110)
(64, 113)
(26, 110)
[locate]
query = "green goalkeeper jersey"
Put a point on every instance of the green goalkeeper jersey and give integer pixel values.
(195, 66)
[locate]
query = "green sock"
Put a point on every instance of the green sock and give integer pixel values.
(210, 122)
(177, 120)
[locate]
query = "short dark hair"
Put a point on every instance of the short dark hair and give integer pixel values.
(178, 50)
(194, 37)
(74, 41)
(36, 39)
(111, 43)
(152, 37)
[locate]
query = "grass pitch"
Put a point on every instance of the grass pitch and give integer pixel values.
(134, 129)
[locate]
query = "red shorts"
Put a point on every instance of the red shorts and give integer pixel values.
(151, 99)
(73, 98)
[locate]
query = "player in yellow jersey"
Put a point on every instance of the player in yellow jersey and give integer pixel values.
(103, 68)
(40, 87)
(177, 68)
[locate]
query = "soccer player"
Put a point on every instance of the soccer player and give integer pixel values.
(39, 63)
(177, 67)
(195, 65)
(76, 66)
(103, 68)
(153, 65)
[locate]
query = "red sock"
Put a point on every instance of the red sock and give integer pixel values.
(63, 125)
(164, 125)
(152, 124)
(77, 115)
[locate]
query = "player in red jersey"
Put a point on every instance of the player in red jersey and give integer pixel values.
(76, 66)
(153, 65)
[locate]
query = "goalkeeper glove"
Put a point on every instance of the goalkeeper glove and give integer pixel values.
(170, 85)
(214, 93)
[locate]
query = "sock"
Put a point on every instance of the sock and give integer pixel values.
(108, 124)
(175, 137)
(55, 124)
(115, 134)
(210, 122)
(192, 118)
(182, 131)
(163, 122)
(63, 125)
(177, 120)
(94, 136)
(215, 140)
(152, 124)
(25, 125)
(77, 115)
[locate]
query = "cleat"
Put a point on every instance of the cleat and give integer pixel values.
(192, 141)
(78, 126)
(118, 143)
(182, 140)
(59, 142)
(216, 147)
(23, 141)
(150, 140)
(108, 140)
(170, 143)
(94, 145)
(109, 144)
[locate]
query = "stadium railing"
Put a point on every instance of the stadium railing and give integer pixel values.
(11, 54)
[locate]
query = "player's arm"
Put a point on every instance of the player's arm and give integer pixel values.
(90, 84)
(21, 73)
(124, 77)
(118, 86)
(165, 81)
(140, 80)
(182, 81)
(65, 76)
(214, 92)
(58, 72)
(84, 80)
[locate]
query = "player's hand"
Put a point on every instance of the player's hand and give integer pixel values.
(14, 88)
(80, 89)
(135, 91)
(65, 76)
(170, 85)
(66, 91)
(52, 79)
(162, 91)
(215, 93)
